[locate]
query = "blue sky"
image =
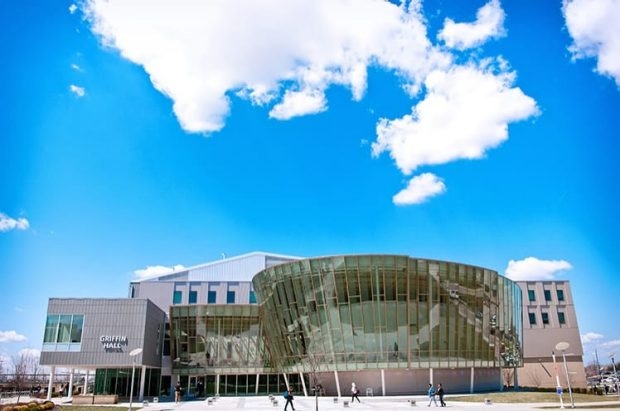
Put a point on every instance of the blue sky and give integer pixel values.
(136, 138)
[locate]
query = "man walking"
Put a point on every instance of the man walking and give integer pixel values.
(431, 395)
(440, 392)
(289, 399)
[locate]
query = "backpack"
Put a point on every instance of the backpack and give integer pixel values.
(285, 395)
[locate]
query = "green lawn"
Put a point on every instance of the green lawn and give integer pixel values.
(531, 396)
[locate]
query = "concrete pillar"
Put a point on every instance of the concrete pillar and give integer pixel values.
(50, 384)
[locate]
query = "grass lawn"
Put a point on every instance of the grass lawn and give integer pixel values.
(531, 396)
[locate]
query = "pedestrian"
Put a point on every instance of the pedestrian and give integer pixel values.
(354, 393)
(440, 392)
(431, 395)
(177, 392)
(289, 399)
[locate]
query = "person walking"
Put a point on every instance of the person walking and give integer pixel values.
(177, 392)
(440, 392)
(431, 395)
(289, 399)
(354, 393)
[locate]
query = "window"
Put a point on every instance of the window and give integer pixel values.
(252, 297)
(211, 296)
(561, 318)
(230, 297)
(66, 328)
(193, 297)
(177, 297)
(545, 318)
(532, 318)
(560, 295)
(531, 294)
(547, 295)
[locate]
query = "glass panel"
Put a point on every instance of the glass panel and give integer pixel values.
(177, 297)
(64, 329)
(76, 328)
(51, 329)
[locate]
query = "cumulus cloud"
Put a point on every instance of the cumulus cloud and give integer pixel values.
(77, 90)
(30, 352)
(72, 8)
(465, 112)
(593, 26)
(11, 336)
(7, 223)
(156, 271)
(420, 189)
(531, 268)
(198, 52)
(590, 337)
(489, 24)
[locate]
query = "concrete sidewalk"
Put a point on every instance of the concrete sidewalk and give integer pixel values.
(263, 403)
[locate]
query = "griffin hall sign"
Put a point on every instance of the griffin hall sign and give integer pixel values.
(114, 343)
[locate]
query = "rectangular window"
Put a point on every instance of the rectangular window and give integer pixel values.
(531, 294)
(252, 297)
(51, 329)
(560, 295)
(547, 295)
(211, 296)
(532, 318)
(561, 318)
(545, 318)
(230, 297)
(177, 298)
(77, 323)
(193, 297)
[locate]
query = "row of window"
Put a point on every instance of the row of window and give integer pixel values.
(531, 294)
(64, 328)
(545, 318)
(177, 298)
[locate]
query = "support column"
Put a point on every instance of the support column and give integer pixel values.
(50, 384)
(257, 383)
(383, 392)
(85, 389)
(471, 381)
(70, 390)
(142, 380)
(337, 383)
(303, 383)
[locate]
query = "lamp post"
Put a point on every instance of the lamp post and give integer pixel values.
(613, 364)
(562, 346)
(557, 380)
(133, 354)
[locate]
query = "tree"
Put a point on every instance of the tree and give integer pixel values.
(25, 364)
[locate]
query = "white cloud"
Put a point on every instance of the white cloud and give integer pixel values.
(156, 270)
(198, 52)
(7, 223)
(76, 67)
(299, 103)
(30, 352)
(531, 268)
(590, 337)
(11, 336)
(72, 8)
(419, 189)
(77, 90)
(594, 27)
(465, 112)
(489, 24)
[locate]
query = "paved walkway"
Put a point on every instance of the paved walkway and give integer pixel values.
(263, 403)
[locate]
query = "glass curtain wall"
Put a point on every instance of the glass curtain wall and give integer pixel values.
(384, 311)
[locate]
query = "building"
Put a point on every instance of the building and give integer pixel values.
(258, 323)
(549, 318)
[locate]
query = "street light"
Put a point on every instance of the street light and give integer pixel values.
(613, 364)
(562, 346)
(133, 354)
(557, 380)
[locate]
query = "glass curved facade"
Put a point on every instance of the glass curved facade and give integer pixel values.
(364, 312)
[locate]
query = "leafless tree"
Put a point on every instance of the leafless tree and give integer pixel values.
(25, 365)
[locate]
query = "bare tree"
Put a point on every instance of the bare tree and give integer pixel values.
(25, 365)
